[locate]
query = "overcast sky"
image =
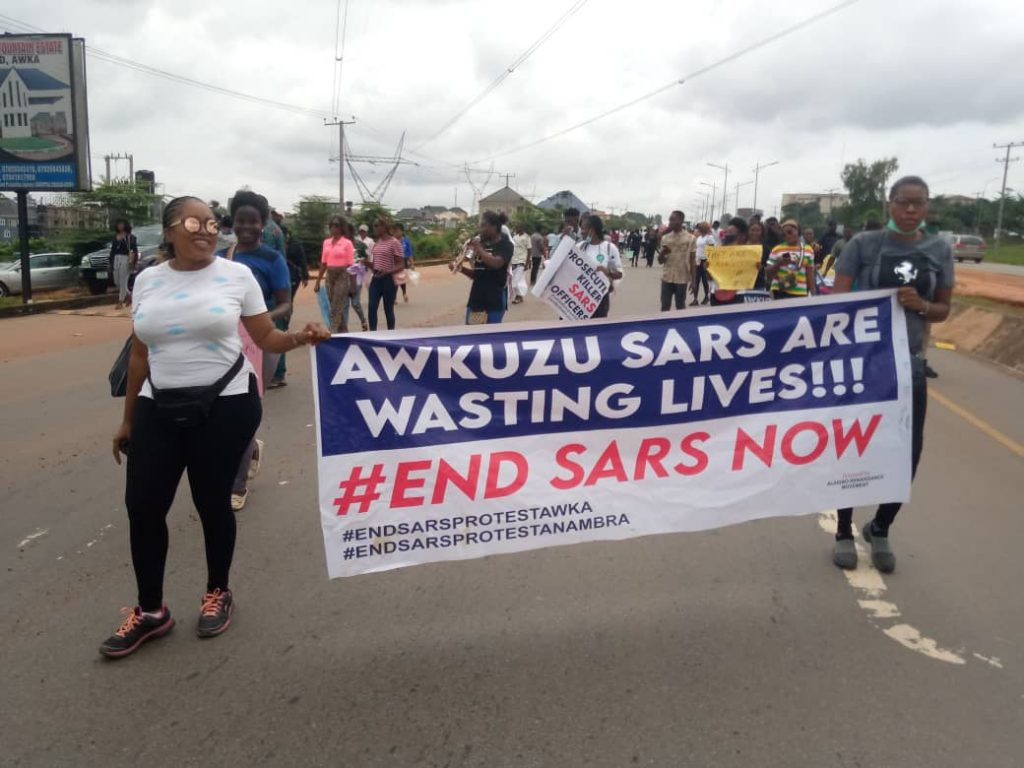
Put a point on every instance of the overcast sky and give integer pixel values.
(933, 83)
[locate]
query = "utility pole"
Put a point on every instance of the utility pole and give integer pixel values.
(1006, 169)
(725, 184)
(757, 172)
(341, 157)
(119, 156)
(738, 186)
(831, 208)
(508, 178)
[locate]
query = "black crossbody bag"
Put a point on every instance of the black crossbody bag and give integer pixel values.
(190, 406)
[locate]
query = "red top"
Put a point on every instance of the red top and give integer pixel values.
(338, 253)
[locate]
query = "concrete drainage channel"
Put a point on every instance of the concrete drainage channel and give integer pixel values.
(992, 335)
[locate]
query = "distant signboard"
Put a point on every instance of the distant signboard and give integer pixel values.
(44, 139)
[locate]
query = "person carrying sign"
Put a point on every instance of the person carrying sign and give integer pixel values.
(789, 270)
(488, 269)
(921, 267)
(678, 255)
(605, 253)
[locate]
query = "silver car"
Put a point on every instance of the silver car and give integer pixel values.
(50, 271)
(966, 247)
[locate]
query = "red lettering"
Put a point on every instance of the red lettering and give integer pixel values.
(404, 482)
(563, 461)
(448, 475)
(496, 491)
(793, 432)
(855, 435)
(695, 453)
(609, 465)
(764, 451)
(652, 453)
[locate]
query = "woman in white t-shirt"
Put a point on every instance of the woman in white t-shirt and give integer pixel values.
(605, 252)
(185, 335)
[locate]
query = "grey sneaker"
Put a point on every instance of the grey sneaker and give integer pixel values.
(881, 553)
(844, 554)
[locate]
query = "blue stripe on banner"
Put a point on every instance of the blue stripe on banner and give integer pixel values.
(384, 394)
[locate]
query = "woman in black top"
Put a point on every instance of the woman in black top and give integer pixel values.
(124, 256)
(488, 269)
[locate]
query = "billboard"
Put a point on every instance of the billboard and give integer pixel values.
(44, 143)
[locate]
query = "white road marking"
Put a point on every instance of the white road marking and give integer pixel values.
(32, 537)
(870, 587)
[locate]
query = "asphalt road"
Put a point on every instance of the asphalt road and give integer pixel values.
(737, 647)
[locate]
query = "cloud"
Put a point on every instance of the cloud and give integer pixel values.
(934, 85)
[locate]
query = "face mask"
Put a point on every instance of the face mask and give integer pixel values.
(892, 226)
(729, 239)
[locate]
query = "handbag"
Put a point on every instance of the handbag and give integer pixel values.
(401, 277)
(118, 376)
(190, 406)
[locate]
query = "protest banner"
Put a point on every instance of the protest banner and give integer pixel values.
(454, 444)
(571, 283)
(734, 267)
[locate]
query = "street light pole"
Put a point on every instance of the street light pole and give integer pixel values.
(757, 172)
(737, 200)
(1006, 169)
(714, 191)
(725, 184)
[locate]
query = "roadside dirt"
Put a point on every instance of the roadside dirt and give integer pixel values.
(991, 285)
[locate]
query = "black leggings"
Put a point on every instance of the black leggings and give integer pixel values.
(159, 453)
(887, 512)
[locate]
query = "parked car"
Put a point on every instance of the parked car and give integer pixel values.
(98, 272)
(50, 271)
(967, 247)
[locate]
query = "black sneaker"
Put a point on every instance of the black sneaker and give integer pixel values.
(215, 615)
(930, 372)
(134, 631)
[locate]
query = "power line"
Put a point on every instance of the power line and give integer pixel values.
(763, 42)
(110, 58)
(519, 61)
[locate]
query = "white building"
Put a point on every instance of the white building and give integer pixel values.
(33, 103)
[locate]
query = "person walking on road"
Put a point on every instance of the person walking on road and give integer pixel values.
(538, 252)
(678, 255)
(605, 253)
(124, 257)
(336, 256)
(387, 258)
(877, 260)
(407, 254)
(789, 271)
(357, 273)
(191, 406)
(488, 269)
(650, 246)
(705, 237)
(520, 257)
(249, 212)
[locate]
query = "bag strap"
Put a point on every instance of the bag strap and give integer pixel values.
(219, 385)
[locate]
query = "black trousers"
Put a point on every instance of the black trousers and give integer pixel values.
(670, 291)
(702, 279)
(887, 512)
(534, 268)
(159, 453)
(383, 289)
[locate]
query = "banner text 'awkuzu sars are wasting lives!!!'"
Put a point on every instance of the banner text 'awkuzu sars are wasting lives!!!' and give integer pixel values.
(457, 444)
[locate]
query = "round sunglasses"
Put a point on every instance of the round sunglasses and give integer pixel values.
(193, 225)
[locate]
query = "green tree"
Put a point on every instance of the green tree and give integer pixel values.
(127, 200)
(865, 185)
(806, 214)
(368, 213)
(310, 217)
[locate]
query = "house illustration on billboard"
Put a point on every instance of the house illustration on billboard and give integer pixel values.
(33, 104)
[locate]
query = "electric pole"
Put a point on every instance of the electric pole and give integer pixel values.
(714, 193)
(119, 156)
(831, 207)
(1006, 169)
(757, 172)
(341, 158)
(737, 200)
(725, 184)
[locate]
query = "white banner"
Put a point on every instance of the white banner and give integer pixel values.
(571, 283)
(453, 444)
